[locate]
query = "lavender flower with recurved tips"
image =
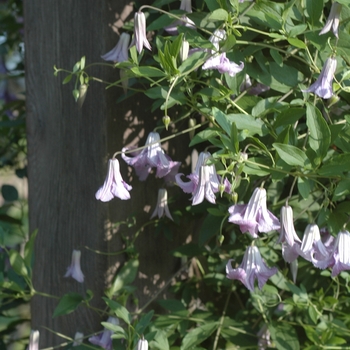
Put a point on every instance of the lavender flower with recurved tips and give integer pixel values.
(34, 340)
(162, 205)
(114, 185)
(204, 181)
(104, 339)
(218, 60)
(120, 52)
(140, 38)
(254, 217)
(287, 231)
(208, 185)
(74, 270)
(332, 20)
(322, 87)
(152, 156)
(341, 253)
(313, 249)
(252, 268)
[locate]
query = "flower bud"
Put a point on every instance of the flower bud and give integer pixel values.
(166, 121)
(333, 100)
(142, 344)
(184, 50)
(234, 197)
(221, 189)
(191, 123)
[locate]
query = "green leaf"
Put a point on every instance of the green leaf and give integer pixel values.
(284, 336)
(297, 43)
(160, 341)
(289, 117)
(198, 335)
(305, 186)
(125, 276)
(18, 263)
(29, 249)
(118, 332)
(320, 135)
(143, 323)
(67, 79)
(291, 154)
(119, 310)
(313, 314)
(147, 71)
(68, 303)
(337, 165)
(82, 63)
(209, 228)
(9, 193)
(218, 15)
(314, 10)
(203, 136)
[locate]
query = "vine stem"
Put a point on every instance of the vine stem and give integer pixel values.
(221, 321)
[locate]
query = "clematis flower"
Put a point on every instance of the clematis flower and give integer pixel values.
(114, 185)
(186, 5)
(287, 231)
(254, 217)
(120, 52)
(323, 85)
(313, 249)
(204, 181)
(104, 339)
(189, 187)
(34, 340)
(140, 39)
(252, 267)
(208, 185)
(332, 20)
(152, 156)
(74, 270)
(218, 60)
(341, 253)
(162, 205)
(184, 21)
(142, 344)
(78, 338)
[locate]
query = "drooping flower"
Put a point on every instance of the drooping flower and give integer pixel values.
(186, 5)
(287, 231)
(208, 185)
(323, 85)
(218, 60)
(78, 338)
(142, 344)
(140, 39)
(152, 156)
(332, 20)
(184, 21)
(254, 217)
(312, 248)
(341, 253)
(104, 338)
(162, 205)
(252, 267)
(34, 340)
(74, 270)
(204, 181)
(120, 52)
(264, 336)
(114, 185)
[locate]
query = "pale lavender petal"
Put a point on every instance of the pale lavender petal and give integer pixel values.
(323, 85)
(187, 187)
